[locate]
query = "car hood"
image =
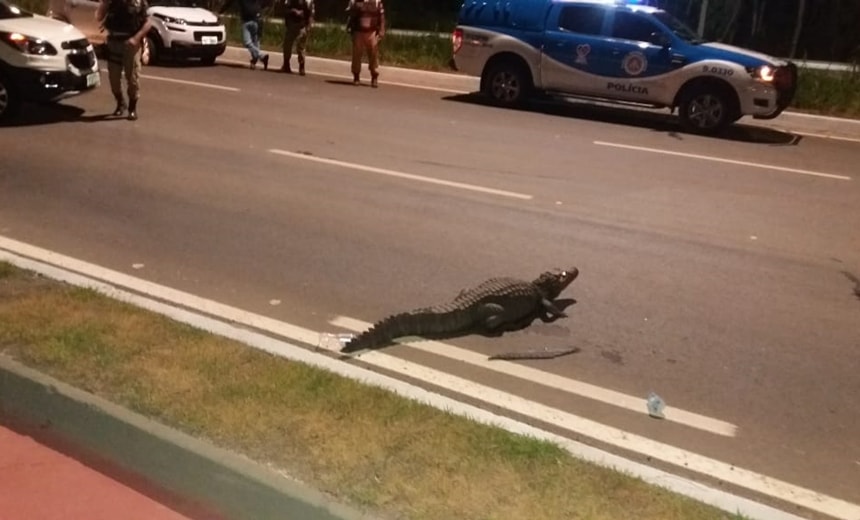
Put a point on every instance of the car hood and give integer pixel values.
(189, 14)
(53, 31)
(745, 56)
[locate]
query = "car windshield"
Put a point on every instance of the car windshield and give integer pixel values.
(678, 27)
(173, 3)
(8, 11)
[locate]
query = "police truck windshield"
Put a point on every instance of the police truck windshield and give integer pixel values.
(678, 27)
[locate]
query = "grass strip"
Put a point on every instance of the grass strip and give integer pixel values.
(362, 444)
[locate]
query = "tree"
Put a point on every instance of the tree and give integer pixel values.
(798, 27)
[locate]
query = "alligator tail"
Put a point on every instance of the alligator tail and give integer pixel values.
(421, 322)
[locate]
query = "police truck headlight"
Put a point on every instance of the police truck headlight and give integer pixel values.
(764, 73)
(28, 44)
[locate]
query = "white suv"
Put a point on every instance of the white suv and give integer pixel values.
(180, 29)
(41, 60)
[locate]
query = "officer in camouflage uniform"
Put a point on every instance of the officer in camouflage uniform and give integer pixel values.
(127, 23)
(366, 24)
(298, 18)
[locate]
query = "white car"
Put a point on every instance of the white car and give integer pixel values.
(41, 60)
(180, 29)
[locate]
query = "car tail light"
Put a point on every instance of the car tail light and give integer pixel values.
(457, 39)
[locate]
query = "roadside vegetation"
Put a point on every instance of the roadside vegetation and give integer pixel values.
(361, 444)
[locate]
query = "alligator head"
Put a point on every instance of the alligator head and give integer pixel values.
(554, 281)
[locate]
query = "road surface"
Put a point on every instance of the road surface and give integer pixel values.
(716, 272)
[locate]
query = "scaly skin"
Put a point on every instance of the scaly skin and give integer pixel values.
(494, 306)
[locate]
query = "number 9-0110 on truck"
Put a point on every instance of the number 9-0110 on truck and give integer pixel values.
(619, 52)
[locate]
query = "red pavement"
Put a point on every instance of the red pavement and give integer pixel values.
(38, 482)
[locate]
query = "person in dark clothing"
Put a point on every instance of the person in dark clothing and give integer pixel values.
(250, 11)
(298, 19)
(126, 23)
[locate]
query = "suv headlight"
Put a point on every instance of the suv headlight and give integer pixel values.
(170, 19)
(28, 44)
(763, 73)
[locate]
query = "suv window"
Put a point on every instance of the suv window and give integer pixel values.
(630, 26)
(583, 19)
(10, 11)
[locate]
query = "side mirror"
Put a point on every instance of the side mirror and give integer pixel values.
(661, 39)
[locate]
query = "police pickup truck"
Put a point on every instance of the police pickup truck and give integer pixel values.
(616, 51)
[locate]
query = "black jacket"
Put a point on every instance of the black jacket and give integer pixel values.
(248, 9)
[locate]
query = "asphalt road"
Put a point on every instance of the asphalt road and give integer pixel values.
(725, 287)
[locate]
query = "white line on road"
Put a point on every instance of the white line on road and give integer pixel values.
(826, 136)
(723, 160)
(99, 279)
(193, 83)
(402, 175)
(31, 257)
(605, 395)
(349, 78)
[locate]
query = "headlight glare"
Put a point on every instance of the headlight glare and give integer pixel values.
(28, 44)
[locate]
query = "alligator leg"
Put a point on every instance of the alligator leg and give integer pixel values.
(551, 310)
(490, 316)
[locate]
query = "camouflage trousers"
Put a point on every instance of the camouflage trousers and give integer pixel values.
(365, 42)
(296, 34)
(123, 58)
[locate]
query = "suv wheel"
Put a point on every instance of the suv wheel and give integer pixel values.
(507, 84)
(706, 110)
(9, 103)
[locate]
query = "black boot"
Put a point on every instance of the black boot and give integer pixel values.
(374, 81)
(120, 107)
(132, 110)
(301, 68)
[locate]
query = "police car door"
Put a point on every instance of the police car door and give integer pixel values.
(639, 58)
(571, 41)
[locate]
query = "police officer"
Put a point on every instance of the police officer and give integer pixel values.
(366, 24)
(127, 23)
(298, 18)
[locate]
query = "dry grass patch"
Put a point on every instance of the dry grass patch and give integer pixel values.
(360, 443)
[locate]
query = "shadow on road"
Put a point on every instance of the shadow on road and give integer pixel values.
(658, 122)
(53, 113)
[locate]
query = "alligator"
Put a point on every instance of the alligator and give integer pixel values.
(493, 307)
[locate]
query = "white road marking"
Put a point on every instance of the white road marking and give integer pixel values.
(604, 395)
(727, 161)
(192, 83)
(402, 175)
(349, 78)
(826, 136)
(96, 278)
(153, 296)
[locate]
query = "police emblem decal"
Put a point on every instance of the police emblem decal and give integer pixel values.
(582, 51)
(634, 63)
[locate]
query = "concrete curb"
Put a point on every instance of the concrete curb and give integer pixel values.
(229, 483)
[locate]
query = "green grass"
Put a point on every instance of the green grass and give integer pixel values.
(362, 444)
(829, 92)
(332, 41)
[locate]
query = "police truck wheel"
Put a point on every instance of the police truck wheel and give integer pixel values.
(9, 103)
(507, 84)
(705, 111)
